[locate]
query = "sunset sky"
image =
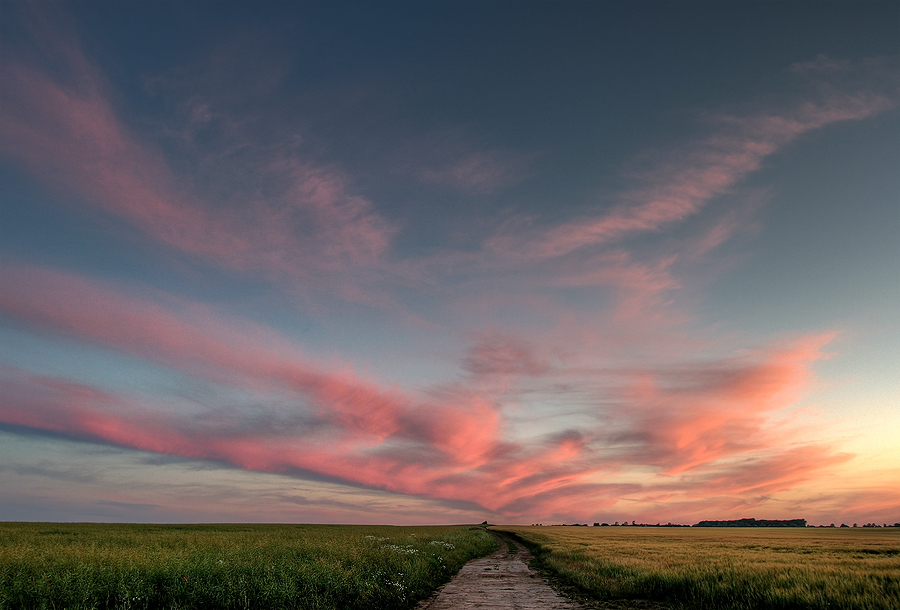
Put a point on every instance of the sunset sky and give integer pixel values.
(442, 262)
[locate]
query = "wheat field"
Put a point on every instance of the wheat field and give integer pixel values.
(726, 568)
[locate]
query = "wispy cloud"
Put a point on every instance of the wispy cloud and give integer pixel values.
(498, 354)
(291, 218)
(632, 255)
(78, 481)
(195, 339)
(442, 443)
(692, 176)
(477, 173)
(699, 414)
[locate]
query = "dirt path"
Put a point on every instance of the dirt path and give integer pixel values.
(502, 581)
(505, 581)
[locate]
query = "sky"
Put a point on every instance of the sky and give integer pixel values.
(446, 262)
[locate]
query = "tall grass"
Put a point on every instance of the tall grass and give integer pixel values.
(181, 567)
(727, 568)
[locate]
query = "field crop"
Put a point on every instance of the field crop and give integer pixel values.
(726, 568)
(112, 566)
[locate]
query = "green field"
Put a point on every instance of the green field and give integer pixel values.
(726, 568)
(107, 566)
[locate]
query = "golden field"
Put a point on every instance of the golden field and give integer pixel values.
(726, 568)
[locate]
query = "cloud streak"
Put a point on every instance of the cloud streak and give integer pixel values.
(68, 133)
(696, 174)
(445, 443)
(703, 414)
(200, 342)
(477, 173)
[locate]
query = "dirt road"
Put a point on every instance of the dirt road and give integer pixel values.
(505, 581)
(502, 581)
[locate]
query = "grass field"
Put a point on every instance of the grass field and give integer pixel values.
(726, 568)
(110, 566)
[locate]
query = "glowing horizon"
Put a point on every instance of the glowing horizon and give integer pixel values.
(289, 269)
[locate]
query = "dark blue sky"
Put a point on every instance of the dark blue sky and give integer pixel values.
(538, 260)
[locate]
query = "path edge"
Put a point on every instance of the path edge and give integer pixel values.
(426, 602)
(570, 589)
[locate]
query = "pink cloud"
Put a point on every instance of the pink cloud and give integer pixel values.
(879, 503)
(201, 342)
(498, 354)
(82, 412)
(478, 173)
(695, 175)
(69, 134)
(693, 416)
(775, 473)
(546, 272)
(715, 429)
(640, 290)
(760, 486)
